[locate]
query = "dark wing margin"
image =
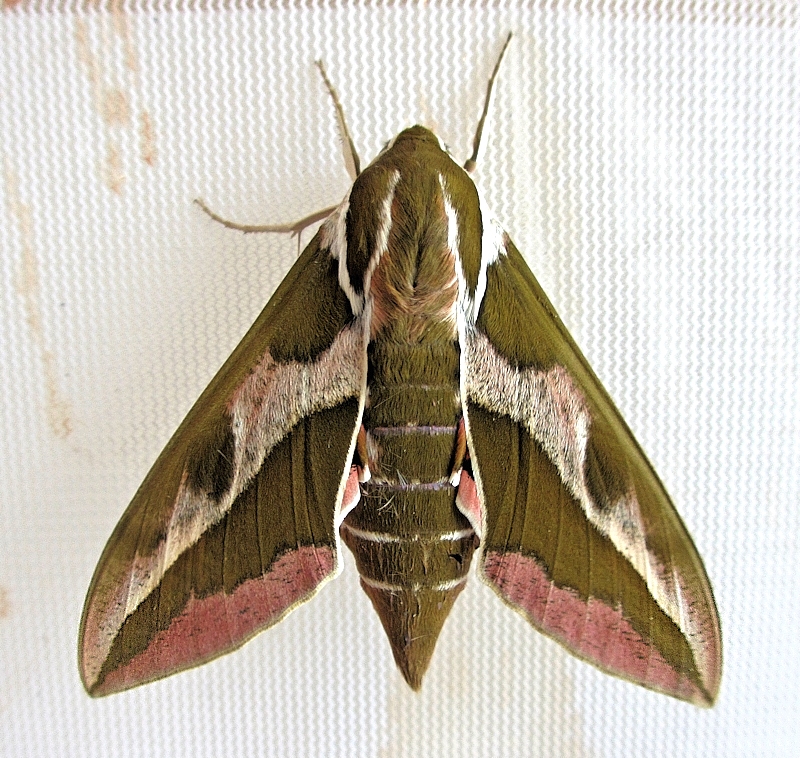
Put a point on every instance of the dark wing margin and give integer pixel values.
(579, 534)
(235, 525)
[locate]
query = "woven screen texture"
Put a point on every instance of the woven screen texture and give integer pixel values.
(644, 156)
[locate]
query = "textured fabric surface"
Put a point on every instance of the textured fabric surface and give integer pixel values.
(645, 157)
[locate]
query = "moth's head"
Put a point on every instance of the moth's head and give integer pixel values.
(420, 134)
(415, 138)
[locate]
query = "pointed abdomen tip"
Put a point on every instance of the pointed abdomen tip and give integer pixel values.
(412, 619)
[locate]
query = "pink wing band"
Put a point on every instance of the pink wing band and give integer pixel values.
(592, 629)
(219, 623)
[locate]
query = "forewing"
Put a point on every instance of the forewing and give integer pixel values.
(235, 523)
(579, 534)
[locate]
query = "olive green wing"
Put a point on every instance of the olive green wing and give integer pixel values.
(578, 533)
(236, 523)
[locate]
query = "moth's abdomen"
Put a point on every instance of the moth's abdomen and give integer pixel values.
(412, 545)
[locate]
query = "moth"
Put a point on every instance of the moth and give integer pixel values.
(410, 391)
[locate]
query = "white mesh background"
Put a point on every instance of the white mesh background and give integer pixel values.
(645, 156)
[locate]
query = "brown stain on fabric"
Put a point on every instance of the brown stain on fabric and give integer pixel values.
(112, 170)
(5, 603)
(107, 54)
(147, 133)
(115, 108)
(58, 410)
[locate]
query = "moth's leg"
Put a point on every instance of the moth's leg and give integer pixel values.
(472, 161)
(460, 454)
(293, 228)
(351, 160)
(363, 455)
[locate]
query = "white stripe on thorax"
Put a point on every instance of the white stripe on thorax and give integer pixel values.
(465, 310)
(335, 239)
(382, 237)
(493, 245)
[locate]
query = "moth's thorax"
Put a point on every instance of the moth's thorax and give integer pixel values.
(414, 285)
(412, 228)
